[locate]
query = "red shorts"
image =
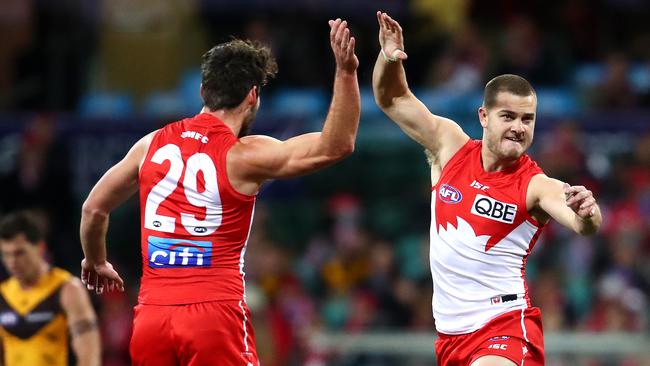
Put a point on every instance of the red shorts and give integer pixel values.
(206, 333)
(516, 335)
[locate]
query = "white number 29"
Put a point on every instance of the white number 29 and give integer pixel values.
(209, 198)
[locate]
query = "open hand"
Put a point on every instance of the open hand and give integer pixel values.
(343, 46)
(100, 277)
(390, 37)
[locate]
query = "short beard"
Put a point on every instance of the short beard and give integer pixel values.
(247, 124)
(245, 130)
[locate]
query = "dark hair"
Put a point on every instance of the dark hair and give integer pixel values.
(229, 70)
(506, 83)
(21, 222)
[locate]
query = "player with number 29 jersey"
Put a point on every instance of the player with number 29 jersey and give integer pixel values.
(194, 224)
(198, 179)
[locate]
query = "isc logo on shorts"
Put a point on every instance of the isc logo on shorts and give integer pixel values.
(449, 194)
(492, 209)
(166, 253)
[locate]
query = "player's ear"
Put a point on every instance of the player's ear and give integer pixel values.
(41, 247)
(253, 94)
(201, 91)
(482, 116)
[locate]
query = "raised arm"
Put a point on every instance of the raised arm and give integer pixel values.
(259, 158)
(572, 206)
(441, 136)
(118, 184)
(82, 323)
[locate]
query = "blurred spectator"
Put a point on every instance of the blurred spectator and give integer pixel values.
(619, 307)
(162, 39)
(560, 152)
(16, 31)
(461, 67)
(116, 319)
(523, 51)
(548, 295)
(40, 179)
(616, 90)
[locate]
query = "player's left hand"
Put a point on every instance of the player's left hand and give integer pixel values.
(580, 200)
(100, 277)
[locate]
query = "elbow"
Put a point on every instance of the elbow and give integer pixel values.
(383, 102)
(93, 211)
(589, 228)
(347, 150)
(342, 151)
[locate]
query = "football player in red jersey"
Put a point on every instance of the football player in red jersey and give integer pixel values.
(198, 179)
(489, 204)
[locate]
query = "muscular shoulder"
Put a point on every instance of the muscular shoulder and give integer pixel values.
(541, 184)
(247, 157)
(72, 289)
(247, 149)
(256, 141)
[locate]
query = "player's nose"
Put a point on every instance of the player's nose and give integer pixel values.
(517, 126)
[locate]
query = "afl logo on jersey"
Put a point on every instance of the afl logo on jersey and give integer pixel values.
(449, 194)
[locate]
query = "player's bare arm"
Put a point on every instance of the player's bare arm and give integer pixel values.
(116, 186)
(258, 158)
(572, 206)
(82, 323)
(441, 136)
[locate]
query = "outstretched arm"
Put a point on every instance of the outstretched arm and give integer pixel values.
(572, 206)
(118, 184)
(258, 158)
(442, 136)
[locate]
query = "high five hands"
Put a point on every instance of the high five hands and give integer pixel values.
(343, 46)
(390, 38)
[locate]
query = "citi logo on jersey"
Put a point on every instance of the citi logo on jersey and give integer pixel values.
(492, 209)
(449, 194)
(169, 253)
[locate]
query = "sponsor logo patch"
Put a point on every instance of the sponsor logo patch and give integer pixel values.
(498, 338)
(449, 194)
(166, 253)
(8, 318)
(492, 209)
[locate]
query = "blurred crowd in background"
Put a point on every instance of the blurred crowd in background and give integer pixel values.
(345, 249)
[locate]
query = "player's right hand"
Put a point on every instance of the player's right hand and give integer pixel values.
(100, 277)
(343, 46)
(390, 37)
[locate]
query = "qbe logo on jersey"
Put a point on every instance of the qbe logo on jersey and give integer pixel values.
(492, 209)
(169, 253)
(449, 194)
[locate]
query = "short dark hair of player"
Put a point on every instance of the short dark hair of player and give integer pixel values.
(21, 222)
(506, 83)
(229, 71)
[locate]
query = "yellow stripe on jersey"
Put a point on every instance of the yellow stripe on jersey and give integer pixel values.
(32, 323)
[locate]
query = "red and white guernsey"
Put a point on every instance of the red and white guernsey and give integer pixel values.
(195, 226)
(481, 235)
